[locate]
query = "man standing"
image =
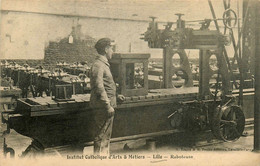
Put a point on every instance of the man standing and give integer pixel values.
(103, 96)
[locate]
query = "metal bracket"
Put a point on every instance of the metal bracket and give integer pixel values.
(7, 150)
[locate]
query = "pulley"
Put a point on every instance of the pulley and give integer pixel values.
(227, 18)
(228, 122)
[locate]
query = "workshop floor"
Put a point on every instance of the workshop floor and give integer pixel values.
(160, 144)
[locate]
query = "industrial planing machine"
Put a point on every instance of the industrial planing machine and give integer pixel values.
(64, 118)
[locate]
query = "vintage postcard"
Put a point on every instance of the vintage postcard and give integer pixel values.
(129, 82)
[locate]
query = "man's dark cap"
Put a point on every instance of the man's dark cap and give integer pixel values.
(104, 42)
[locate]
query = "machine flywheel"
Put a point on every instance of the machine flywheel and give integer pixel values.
(228, 123)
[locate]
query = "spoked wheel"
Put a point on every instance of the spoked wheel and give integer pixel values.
(228, 123)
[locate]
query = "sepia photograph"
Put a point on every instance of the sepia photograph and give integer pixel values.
(130, 82)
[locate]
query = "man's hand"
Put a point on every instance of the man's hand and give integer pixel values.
(110, 112)
(120, 98)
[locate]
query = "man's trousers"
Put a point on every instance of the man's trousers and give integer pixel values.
(104, 126)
